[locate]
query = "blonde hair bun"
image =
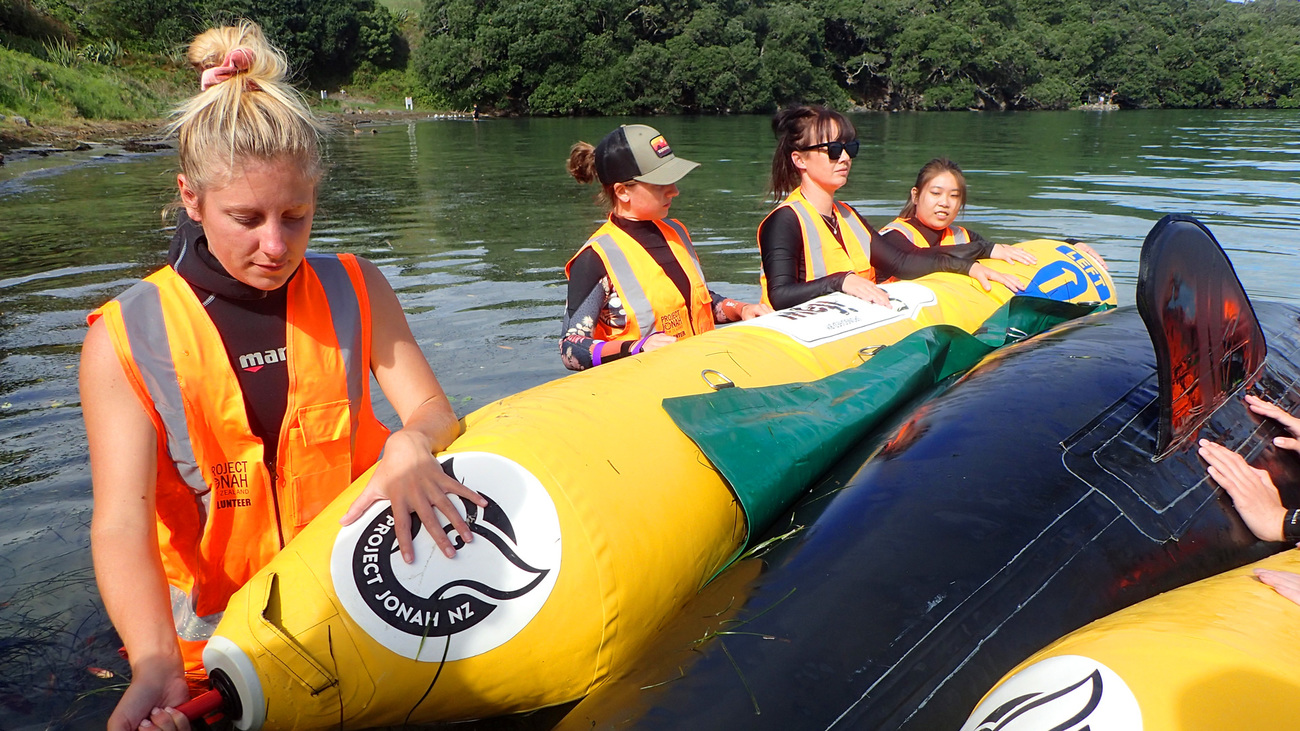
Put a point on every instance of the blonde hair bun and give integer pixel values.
(247, 113)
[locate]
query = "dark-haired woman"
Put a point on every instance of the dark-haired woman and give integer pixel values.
(636, 285)
(927, 220)
(812, 244)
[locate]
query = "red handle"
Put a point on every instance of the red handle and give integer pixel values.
(197, 708)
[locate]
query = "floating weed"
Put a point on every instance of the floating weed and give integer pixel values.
(752, 698)
(760, 635)
(771, 543)
(743, 622)
(680, 674)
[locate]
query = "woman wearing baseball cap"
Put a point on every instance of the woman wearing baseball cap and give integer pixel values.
(636, 285)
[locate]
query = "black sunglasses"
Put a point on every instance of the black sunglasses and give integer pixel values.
(835, 147)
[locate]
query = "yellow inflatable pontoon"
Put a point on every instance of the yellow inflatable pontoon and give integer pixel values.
(604, 520)
(1218, 655)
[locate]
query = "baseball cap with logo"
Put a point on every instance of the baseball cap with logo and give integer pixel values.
(638, 152)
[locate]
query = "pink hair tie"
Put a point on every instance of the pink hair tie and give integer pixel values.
(237, 61)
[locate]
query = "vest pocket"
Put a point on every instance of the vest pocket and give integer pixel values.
(319, 464)
(309, 494)
(321, 423)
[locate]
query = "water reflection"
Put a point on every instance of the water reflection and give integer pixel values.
(473, 223)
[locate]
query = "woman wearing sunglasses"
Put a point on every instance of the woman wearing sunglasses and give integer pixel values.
(636, 285)
(812, 244)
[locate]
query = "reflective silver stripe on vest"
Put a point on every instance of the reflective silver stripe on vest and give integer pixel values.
(959, 234)
(904, 230)
(189, 625)
(146, 331)
(680, 230)
(345, 311)
(813, 240)
(855, 225)
(637, 304)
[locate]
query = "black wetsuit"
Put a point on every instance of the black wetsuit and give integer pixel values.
(965, 254)
(780, 241)
(249, 320)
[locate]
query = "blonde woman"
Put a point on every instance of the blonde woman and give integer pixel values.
(226, 396)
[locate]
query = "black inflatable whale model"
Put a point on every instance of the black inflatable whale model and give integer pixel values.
(1053, 484)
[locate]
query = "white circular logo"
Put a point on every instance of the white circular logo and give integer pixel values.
(1066, 692)
(438, 608)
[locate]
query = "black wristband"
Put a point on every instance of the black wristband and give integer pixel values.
(1291, 526)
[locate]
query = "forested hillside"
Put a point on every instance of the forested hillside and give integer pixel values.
(63, 62)
(325, 38)
(655, 56)
(675, 56)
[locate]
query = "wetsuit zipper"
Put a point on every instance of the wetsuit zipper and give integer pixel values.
(275, 502)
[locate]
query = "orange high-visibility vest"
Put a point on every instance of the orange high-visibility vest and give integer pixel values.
(220, 515)
(952, 236)
(822, 253)
(650, 298)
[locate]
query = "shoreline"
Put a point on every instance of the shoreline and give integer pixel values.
(146, 135)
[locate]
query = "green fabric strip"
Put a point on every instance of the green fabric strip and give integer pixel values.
(771, 444)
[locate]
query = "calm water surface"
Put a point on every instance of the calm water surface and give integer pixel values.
(473, 223)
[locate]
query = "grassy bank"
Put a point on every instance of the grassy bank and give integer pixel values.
(45, 92)
(73, 99)
(47, 103)
(66, 79)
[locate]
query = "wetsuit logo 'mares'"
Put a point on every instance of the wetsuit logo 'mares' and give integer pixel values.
(463, 606)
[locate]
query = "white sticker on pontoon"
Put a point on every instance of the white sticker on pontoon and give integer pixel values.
(839, 315)
(1066, 692)
(466, 605)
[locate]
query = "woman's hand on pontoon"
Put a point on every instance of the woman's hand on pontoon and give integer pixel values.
(1091, 253)
(986, 277)
(1286, 583)
(1012, 255)
(657, 341)
(864, 289)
